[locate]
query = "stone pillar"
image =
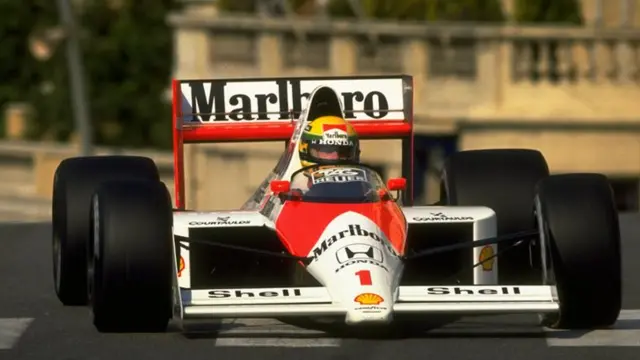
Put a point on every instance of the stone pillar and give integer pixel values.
(269, 50)
(192, 55)
(504, 73)
(635, 14)
(44, 167)
(416, 62)
(342, 55)
(17, 117)
(489, 81)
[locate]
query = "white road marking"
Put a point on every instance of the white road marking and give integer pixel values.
(270, 333)
(11, 330)
(626, 332)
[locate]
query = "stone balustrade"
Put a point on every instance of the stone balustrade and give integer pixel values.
(566, 90)
(461, 72)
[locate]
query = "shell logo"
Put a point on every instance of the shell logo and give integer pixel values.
(368, 299)
(181, 266)
(486, 253)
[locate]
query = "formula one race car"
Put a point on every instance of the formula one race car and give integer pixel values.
(354, 247)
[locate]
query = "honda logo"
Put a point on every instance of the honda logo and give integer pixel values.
(358, 252)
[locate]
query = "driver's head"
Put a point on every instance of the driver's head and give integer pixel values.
(329, 140)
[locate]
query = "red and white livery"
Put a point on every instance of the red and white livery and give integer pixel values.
(345, 247)
(369, 288)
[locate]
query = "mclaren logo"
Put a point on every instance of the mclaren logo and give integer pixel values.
(359, 254)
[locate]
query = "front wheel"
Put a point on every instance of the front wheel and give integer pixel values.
(75, 181)
(505, 181)
(131, 270)
(580, 235)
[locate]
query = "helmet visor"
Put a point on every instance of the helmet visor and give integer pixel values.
(332, 152)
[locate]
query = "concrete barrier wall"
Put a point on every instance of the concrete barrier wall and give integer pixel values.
(223, 177)
(27, 170)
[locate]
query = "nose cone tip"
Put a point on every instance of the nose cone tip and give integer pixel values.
(357, 317)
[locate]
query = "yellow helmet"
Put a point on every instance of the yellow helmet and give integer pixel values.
(329, 140)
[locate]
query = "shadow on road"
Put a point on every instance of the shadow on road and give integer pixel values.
(435, 327)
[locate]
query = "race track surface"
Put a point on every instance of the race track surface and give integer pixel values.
(34, 325)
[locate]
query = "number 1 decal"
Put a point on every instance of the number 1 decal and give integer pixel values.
(365, 277)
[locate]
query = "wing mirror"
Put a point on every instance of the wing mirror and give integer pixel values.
(280, 186)
(282, 189)
(397, 184)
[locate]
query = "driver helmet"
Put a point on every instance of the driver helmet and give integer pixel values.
(329, 140)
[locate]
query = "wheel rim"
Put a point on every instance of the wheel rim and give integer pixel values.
(57, 261)
(93, 251)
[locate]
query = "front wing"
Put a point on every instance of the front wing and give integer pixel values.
(316, 301)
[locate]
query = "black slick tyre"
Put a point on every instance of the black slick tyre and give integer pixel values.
(74, 182)
(132, 264)
(578, 221)
(503, 180)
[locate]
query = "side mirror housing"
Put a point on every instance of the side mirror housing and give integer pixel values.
(397, 184)
(280, 186)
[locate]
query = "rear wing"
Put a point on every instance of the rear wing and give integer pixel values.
(266, 109)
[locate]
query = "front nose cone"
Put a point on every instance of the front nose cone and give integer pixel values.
(369, 307)
(359, 267)
(368, 293)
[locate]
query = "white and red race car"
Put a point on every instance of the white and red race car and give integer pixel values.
(348, 249)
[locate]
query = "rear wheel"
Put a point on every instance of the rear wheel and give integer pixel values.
(503, 180)
(74, 183)
(132, 255)
(578, 221)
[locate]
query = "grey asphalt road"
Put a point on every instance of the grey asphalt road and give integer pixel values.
(34, 325)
